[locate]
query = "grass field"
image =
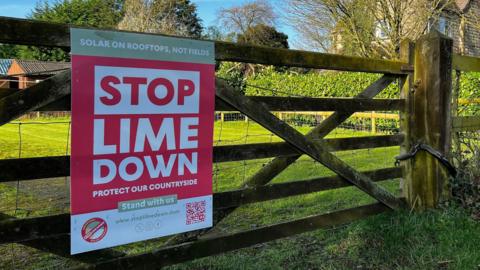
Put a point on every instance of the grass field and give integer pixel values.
(389, 241)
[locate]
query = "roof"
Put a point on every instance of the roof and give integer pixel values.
(462, 5)
(35, 67)
(4, 66)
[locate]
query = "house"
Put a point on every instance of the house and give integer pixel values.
(25, 73)
(460, 21)
(462, 24)
(4, 79)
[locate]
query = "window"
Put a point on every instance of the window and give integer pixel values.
(380, 28)
(442, 25)
(14, 83)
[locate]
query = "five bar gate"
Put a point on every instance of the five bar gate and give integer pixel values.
(425, 112)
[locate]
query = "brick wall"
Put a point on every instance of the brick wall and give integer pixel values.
(472, 31)
(471, 42)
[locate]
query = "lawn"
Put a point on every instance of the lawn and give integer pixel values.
(374, 243)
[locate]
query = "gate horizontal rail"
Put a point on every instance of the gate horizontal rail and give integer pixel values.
(36, 33)
(220, 244)
(57, 166)
(111, 259)
(465, 63)
(466, 123)
(17, 230)
(280, 104)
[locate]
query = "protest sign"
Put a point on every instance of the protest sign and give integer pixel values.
(142, 132)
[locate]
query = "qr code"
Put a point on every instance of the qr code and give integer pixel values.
(195, 212)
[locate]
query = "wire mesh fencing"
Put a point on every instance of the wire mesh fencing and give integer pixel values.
(48, 134)
(466, 141)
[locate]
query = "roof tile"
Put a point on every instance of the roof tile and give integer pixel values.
(35, 67)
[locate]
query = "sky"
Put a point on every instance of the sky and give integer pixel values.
(207, 10)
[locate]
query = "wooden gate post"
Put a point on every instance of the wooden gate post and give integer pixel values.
(428, 107)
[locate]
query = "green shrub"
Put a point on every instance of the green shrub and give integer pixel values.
(233, 74)
(469, 89)
(470, 85)
(314, 84)
(321, 84)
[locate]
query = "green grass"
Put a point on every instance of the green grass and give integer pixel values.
(34, 138)
(441, 239)
(374, 243)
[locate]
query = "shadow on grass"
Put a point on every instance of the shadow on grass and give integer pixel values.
(437, 239)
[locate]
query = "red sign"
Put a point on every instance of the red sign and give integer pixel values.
(142, 135)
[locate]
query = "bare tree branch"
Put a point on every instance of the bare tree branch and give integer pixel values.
(354, 26)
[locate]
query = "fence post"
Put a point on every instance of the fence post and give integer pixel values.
(374, 123)
(407, 49)
(429, 118)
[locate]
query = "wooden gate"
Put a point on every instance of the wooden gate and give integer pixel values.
(420, 89)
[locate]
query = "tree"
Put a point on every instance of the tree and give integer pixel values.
(92, 13)
(263, 35)
(240, 18)
(173, 17)
(8, 51)
(370, 28)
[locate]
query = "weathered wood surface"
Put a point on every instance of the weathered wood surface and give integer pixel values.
(370, 115)
(6, 92)
(239, 197)
(220, 244)
(20, 230)
(277, 165)
(28, 32)
(58, 166)
(281, 149)
(324, 104)
(282, 57)
(289, 104)
(35, 33)
(466, 123)
(316, 149)
(17, 169)
(34, 97)
(465, 63)
(63, 104)
(41, 236)
(407, 53)
(426, 181)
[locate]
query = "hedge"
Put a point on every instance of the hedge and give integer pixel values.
(315, 84)
(272, 82)
(336, 84)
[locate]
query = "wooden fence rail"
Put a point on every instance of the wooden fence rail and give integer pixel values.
(465, 63)
(18, 230)
(27, 32)
(466, 123)
(47, 167)
(220, 244)
(285, 104)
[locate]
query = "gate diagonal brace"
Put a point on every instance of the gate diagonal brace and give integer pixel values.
(317, 150)
(279, 164)
(34, 97)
